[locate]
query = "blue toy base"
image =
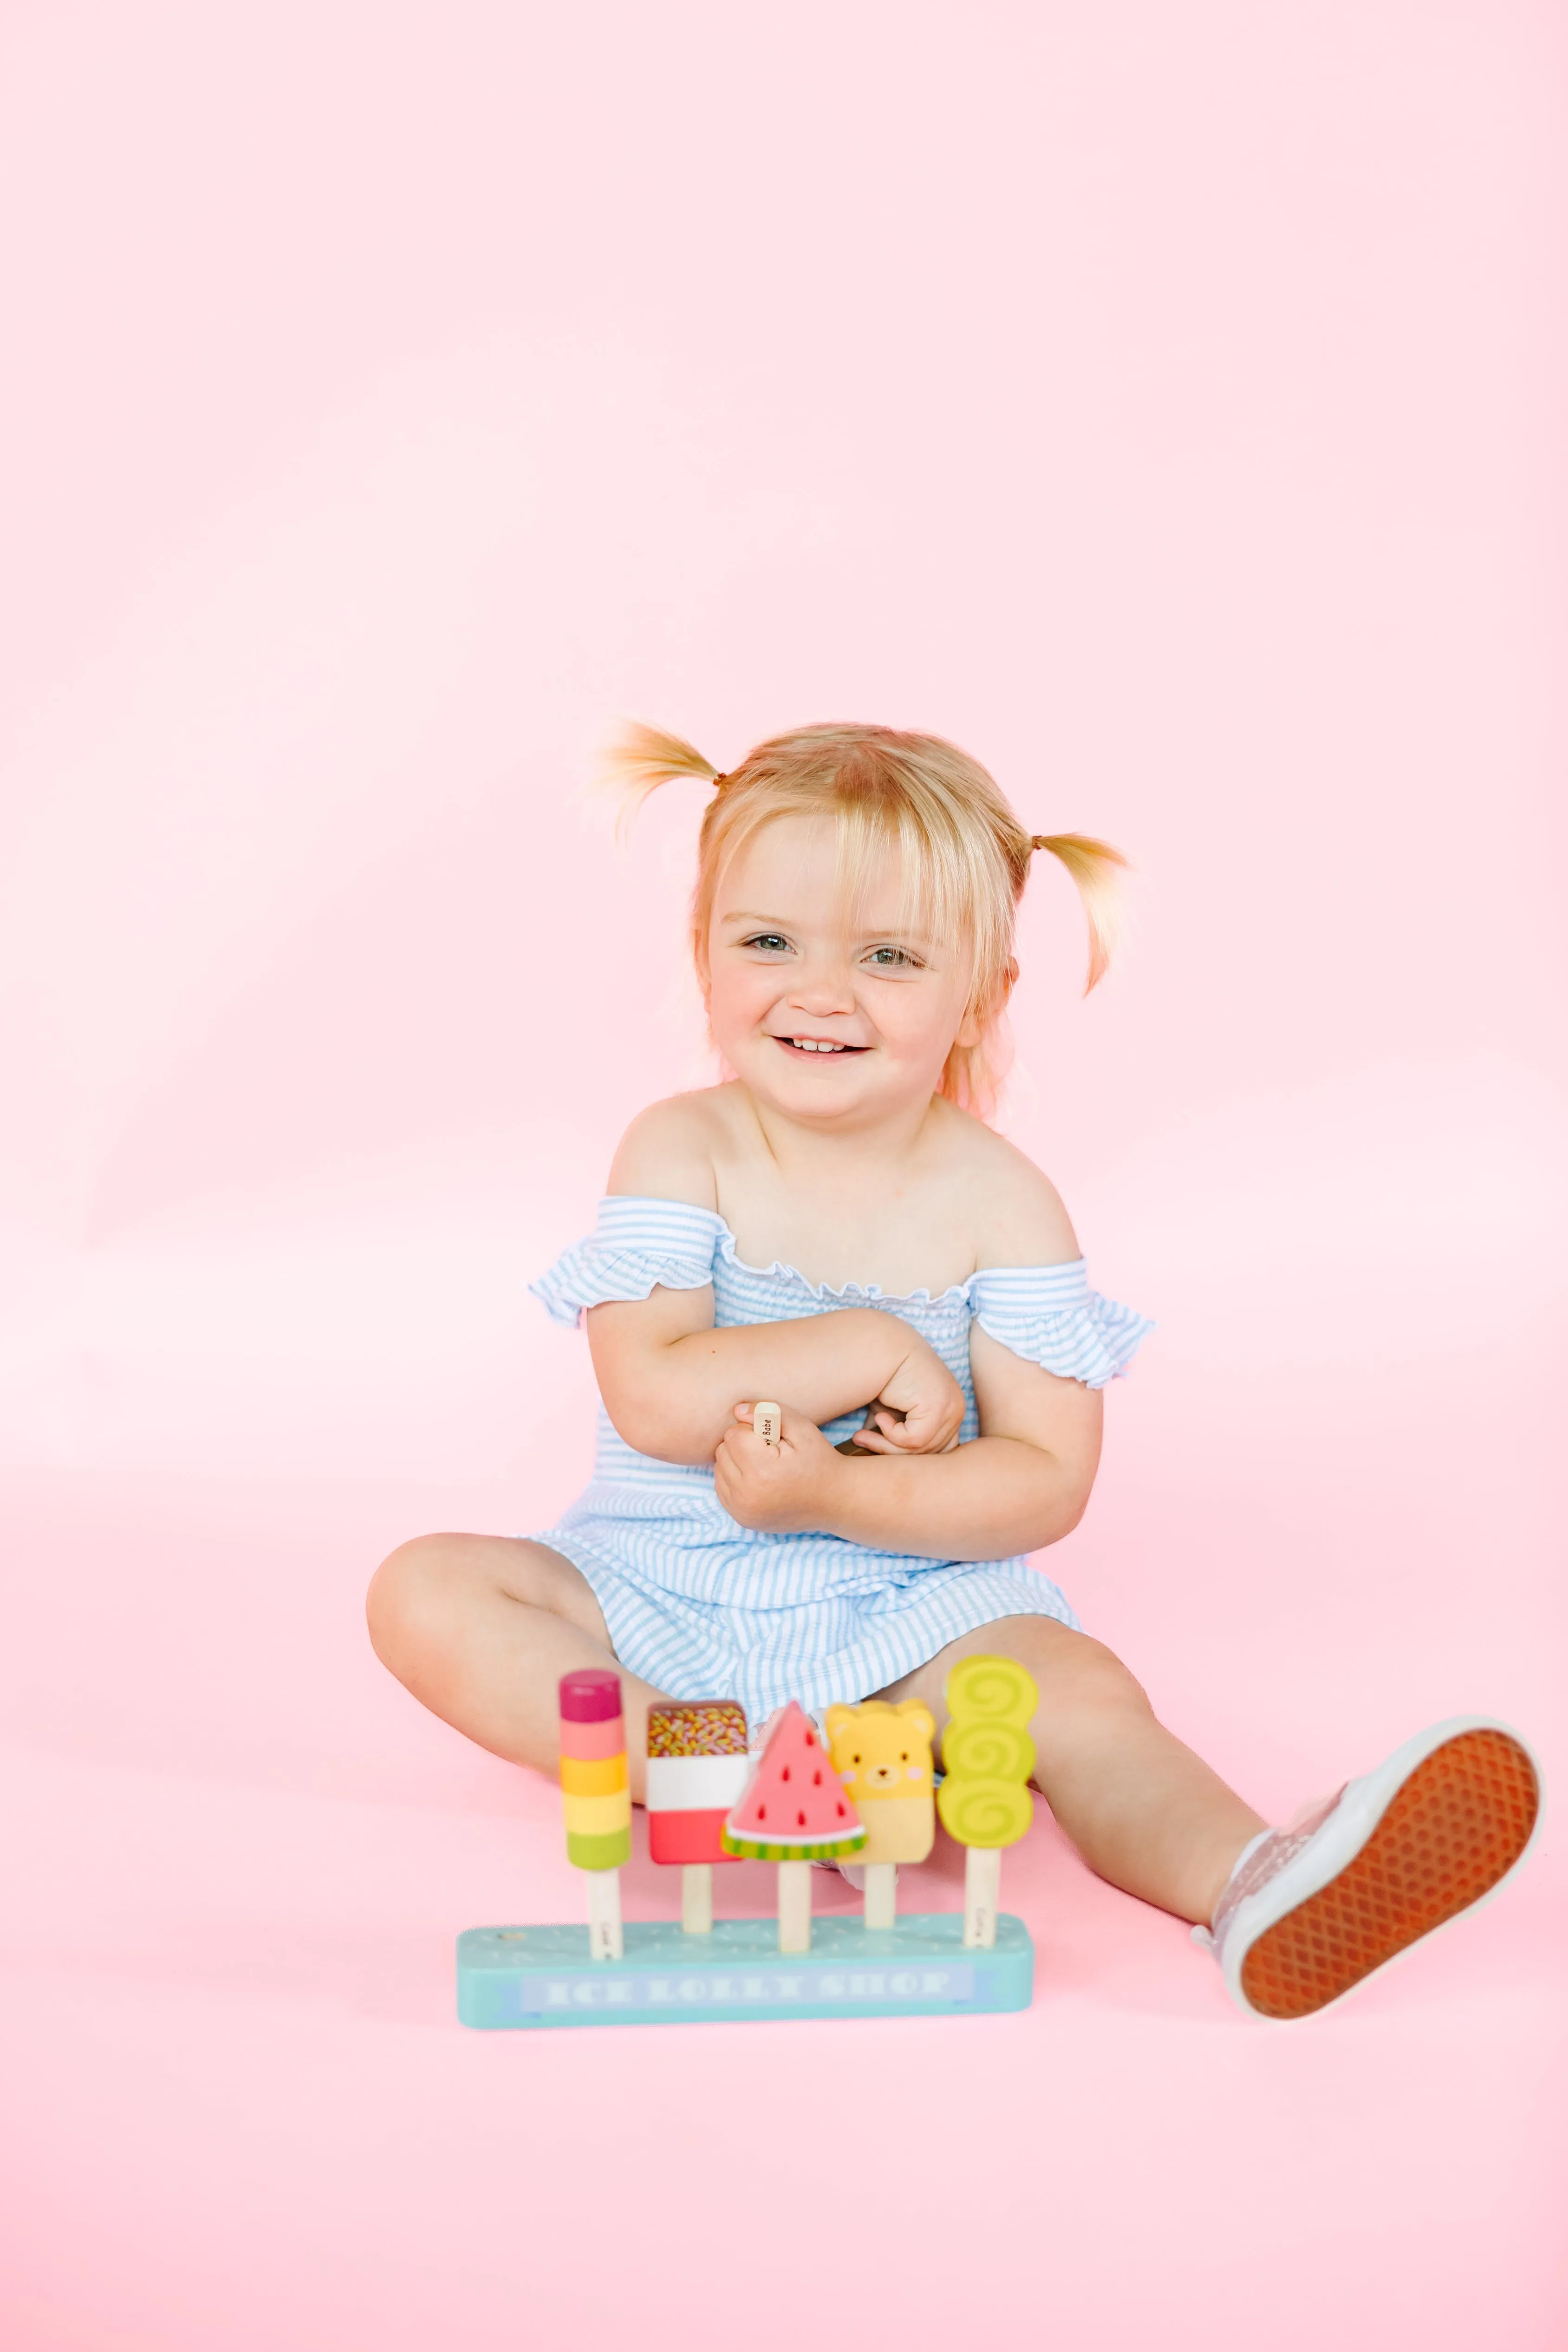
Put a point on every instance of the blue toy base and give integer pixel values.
(543, 1976)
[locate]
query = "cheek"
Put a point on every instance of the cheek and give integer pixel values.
(917, 1026)
(738, 996)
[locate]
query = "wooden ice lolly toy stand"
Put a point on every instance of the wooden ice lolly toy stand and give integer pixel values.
(793, 1809)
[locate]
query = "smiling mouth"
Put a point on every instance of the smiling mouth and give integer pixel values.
(816, 1046)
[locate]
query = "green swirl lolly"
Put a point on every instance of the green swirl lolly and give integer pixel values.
(988, 1751)
(991, 1690)
(988, 1754)
(985, 1813)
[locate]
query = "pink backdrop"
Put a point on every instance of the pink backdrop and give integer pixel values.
(1167, 403)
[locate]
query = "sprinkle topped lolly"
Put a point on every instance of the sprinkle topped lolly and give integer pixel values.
(698, 1768)
(794, 1811)
(985, 1801)
(597, 1792)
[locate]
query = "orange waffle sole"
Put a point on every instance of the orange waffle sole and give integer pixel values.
(1459, 1822)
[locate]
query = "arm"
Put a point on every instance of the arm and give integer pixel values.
(670, 1380)
(1022, 1483)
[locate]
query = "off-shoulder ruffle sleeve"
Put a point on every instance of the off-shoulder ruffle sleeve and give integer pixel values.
(1049, 1315)
(637, 1245)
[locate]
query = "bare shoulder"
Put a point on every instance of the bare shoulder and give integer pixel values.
(669, 1150)
(1018, 1215)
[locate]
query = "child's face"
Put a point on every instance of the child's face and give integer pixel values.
(793, 971)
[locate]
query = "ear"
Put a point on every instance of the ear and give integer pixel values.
(919, 1718)
(837, 1720)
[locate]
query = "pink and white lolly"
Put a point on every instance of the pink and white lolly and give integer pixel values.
(697, 1770)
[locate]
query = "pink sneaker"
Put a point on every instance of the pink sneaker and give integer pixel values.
(1312, 1909)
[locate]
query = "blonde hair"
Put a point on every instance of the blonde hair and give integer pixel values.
(964, 855)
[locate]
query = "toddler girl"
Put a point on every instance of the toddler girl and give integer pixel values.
(836, 1228)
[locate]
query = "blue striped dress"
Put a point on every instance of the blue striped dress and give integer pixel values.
(704, 1608)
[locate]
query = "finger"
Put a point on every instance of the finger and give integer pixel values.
(912, 1430)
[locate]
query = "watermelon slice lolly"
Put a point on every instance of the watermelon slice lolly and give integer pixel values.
(794, 1811)
(794, 1808)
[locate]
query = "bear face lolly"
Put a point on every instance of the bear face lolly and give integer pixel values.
(883, 1755)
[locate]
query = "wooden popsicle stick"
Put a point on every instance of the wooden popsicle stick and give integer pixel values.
(982, 1895)
(605, 1941)
(767, 1420)
(696, 1898)
(794, 1906)
(882, 1894)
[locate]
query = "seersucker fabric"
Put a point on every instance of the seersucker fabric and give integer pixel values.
(704, 1608)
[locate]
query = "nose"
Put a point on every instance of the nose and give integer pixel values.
(882, 1776)
(824, 987)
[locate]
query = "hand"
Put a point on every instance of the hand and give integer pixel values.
(781, 1489)
(920, 1409)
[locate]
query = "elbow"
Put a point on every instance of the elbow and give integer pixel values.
(1071, 1507)
(658, 1434)
(1056, 1514)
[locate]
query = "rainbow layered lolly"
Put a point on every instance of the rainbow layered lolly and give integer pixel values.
(596, 1789)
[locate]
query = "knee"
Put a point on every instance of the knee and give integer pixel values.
(1094, 1687)
(405, 1603)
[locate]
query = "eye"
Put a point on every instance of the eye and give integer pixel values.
(768, 942)
(892, 959)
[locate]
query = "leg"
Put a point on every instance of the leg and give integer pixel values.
(481, 1629)
(1143, 1811)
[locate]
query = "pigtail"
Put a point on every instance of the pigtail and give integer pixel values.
(639, 759)
(1092, 864)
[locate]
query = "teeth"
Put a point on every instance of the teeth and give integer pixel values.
(815, 1045)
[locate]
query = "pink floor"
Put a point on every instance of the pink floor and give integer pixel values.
(251, 2120)
(1165, 402)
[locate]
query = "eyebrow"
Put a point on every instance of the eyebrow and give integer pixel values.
(779, 923)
